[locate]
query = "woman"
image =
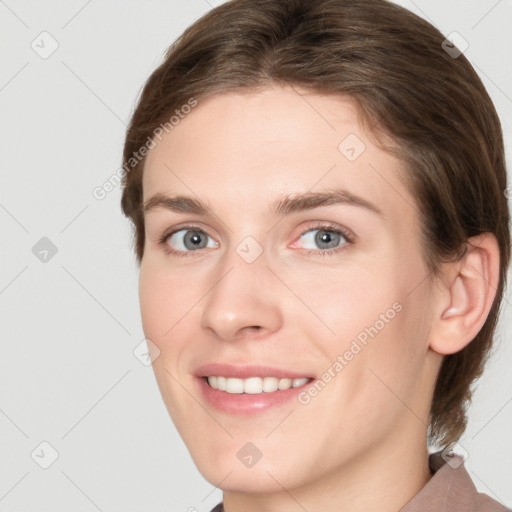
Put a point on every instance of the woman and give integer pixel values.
(317, 190)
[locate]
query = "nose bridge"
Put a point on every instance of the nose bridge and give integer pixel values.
(242, 294)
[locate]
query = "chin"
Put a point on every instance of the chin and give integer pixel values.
(254, 480)
(226, 471)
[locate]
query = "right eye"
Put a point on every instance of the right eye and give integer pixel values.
(186, 239)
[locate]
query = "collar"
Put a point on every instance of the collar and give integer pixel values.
(450, 489)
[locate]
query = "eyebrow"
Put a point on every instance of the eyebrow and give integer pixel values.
(283, 206)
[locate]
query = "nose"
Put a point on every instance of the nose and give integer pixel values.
(244, 301)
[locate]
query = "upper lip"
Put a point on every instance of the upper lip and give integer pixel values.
(246, 371)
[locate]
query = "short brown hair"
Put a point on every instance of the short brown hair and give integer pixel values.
(431, 103)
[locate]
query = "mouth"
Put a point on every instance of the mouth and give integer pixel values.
(248, 390)
(254, 385)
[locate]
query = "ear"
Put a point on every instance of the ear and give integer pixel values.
(465, 296)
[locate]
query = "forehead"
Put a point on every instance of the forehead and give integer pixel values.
(246, 149)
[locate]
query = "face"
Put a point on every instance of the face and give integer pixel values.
(304, 269)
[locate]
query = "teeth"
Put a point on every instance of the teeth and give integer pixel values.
(270, 384)
(221, 383)
(254, 385)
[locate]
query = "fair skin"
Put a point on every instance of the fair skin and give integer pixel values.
(360, 444)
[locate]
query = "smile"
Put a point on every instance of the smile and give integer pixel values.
(254, 385)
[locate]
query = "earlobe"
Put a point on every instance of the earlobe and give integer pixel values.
(468, 292)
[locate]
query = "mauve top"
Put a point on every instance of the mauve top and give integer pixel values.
(449, 490)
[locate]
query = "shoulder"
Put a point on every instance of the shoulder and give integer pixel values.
(451, 489)
(484, 503)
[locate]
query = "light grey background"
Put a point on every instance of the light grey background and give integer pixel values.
(69, 326)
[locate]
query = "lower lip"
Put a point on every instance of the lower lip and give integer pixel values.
(247, 404)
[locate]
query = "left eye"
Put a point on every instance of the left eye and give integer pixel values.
(324, 238)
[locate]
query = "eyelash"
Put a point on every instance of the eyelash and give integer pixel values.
(329, 227)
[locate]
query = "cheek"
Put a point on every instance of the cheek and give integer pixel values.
(152, 306)
(359, 305)
(169, 304)
(376, 326)
(158, 303)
